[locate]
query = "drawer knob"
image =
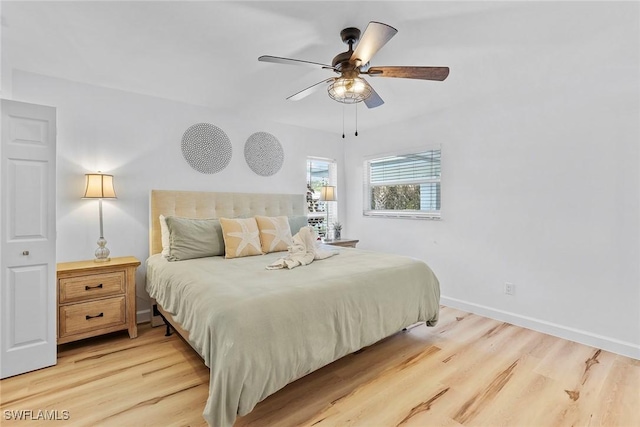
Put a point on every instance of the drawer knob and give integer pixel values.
(25, 253)
(88, 288)
(93, 317)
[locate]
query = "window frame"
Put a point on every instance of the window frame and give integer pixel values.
(332, 179)
(390, 213)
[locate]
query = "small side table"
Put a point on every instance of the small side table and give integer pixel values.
(344, 242)
(95, 298)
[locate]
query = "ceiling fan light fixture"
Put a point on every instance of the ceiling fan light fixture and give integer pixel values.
(349, 90)
(349, 87)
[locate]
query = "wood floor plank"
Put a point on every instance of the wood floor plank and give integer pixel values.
(466, 371)
(620, 395)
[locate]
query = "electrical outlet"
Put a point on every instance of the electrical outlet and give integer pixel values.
(509, 288)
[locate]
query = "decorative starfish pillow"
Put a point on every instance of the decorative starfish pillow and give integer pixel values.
(241, 237)
(275, 233)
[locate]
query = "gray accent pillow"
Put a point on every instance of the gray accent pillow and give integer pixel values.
(297, 222)
(194, 238)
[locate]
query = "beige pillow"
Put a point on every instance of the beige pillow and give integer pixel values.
(241, 237)
(275, 233)
(164, 235)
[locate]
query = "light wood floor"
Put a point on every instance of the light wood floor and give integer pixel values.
(467, 371)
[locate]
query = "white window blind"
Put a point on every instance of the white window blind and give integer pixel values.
(404, 185)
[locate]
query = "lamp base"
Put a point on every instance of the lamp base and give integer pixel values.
(102, 253)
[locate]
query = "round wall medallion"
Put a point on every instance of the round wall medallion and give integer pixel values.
(263, 153)
(206, 148)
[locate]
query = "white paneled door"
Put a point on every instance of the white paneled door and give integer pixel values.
(28, 238)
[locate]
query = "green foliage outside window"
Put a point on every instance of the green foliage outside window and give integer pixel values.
(395, 197)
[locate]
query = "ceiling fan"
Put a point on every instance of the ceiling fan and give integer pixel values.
(350, 87)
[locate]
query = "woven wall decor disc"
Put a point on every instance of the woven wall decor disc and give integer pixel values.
(263, 153)
(206, 148)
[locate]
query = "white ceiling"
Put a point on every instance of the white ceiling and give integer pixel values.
(205, 53)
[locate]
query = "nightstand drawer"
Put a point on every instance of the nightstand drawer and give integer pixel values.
(92, 286)
(88, 316)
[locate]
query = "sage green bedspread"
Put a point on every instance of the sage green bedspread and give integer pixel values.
(258, 330)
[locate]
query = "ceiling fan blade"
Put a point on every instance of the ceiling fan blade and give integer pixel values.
(375, 36)
(424, 73)
(308, 91)
(373, 100)
(289, 61)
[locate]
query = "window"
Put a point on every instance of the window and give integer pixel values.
(321, 172)
(406, 185)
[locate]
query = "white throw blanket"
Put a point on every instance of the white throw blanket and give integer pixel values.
(304, 250)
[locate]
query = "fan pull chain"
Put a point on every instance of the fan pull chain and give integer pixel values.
(356, 119)
(342, 121)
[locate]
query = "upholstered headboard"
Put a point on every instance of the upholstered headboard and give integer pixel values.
(198, 204)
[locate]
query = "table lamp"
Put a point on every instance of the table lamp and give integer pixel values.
(327, 194)
(100, 186)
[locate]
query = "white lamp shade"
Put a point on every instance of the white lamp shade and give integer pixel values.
(99, 186)
(328, 193)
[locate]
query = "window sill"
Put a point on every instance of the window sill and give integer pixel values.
(402, 215)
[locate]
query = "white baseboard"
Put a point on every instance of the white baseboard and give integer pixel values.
(143, 316)
(583, 337)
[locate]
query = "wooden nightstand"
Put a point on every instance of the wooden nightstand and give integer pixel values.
(95, 298)
(345, 243)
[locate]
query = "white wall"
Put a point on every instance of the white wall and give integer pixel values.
(5, 69)
(541, 176)
(137, 139)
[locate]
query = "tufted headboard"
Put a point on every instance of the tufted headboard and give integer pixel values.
(200, 204)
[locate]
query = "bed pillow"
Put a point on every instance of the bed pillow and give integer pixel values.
(194, 238)
(297, 222)
(241, 237)
(275, 233)
(164, 236)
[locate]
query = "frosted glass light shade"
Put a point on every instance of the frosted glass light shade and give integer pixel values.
(349, 90)
(99, 186)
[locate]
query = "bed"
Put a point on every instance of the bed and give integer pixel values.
(258, 330)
